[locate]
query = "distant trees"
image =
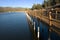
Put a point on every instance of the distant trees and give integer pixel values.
(6, 9)
(1, 9)
(45, 4)
(36, 6)
(48, 3)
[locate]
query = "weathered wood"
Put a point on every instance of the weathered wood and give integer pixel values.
(49, 20)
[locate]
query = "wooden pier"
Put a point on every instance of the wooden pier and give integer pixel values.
(47, 19)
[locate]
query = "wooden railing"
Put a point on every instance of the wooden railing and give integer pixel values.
(48, 17)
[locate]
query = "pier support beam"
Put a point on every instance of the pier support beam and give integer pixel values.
(34, 26)
(38, 35)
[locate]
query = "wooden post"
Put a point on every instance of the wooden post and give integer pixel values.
(41, 14)
(50, 23)
(50, 18)
(56, 15)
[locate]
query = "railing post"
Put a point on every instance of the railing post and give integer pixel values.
(56, 14)
(50, 23)
(50, 18)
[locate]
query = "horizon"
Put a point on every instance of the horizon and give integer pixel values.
(19, 3)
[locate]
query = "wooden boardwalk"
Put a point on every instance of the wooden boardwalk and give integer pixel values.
(50, 21)
(46, 19)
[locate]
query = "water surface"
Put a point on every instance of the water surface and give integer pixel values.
(14, 26)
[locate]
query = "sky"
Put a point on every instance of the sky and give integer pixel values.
(19, 3)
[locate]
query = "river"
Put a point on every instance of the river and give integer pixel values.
(14, 26)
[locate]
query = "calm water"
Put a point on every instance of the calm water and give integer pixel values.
(44, 30)
(14, 26)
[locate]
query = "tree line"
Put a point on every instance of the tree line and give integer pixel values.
(46, 3)
(6, 9)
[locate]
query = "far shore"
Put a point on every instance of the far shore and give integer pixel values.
(13, 11)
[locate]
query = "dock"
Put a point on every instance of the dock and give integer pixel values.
(46, 19)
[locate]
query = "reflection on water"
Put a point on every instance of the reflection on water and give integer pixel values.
(14, 26)
(45, 32)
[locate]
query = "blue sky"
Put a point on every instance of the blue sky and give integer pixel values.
(19, 3)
